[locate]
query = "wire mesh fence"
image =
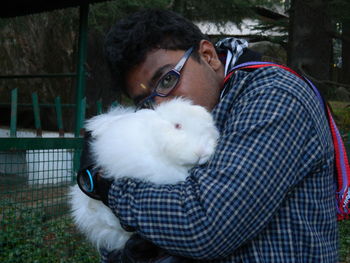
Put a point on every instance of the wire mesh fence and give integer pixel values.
(35, 179)
(35, 225)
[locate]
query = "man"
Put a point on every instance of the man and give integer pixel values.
(267, 194)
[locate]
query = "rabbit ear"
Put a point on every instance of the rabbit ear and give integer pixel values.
(98, 124)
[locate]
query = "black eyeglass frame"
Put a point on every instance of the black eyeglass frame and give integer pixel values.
(148, 101)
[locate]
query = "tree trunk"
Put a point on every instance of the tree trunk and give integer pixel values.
(310, 44)
(346, 52)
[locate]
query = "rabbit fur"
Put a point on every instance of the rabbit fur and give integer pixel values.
(158, 145)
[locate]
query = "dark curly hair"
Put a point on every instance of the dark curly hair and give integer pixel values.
(128, 42)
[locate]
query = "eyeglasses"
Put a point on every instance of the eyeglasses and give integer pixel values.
(166, 84)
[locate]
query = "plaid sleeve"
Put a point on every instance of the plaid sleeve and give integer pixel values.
(268, 144)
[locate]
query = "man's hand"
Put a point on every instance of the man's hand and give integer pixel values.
(139, 250)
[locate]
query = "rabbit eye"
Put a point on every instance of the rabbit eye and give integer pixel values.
(177, 126)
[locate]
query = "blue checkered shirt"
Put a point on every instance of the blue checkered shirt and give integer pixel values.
(267, 194)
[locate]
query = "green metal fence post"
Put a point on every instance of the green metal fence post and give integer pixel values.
(58, 107)
(13, 125)
(82, 116)
(81, 81)
(115, 103)
(36, 110)
(80, 121)
(99, 106)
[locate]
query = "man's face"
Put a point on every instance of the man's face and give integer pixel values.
(200, 82)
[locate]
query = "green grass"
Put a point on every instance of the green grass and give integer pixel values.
(344, 241)
(28, 237)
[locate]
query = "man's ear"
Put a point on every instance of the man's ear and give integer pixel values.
(208, 53)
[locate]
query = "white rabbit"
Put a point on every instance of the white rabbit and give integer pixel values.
(158, 145)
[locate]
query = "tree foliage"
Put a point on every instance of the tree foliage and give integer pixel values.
(105, 14)
(210, 10)
(217, 11)
(47, 42)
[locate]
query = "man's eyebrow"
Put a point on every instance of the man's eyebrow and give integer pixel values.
(159, 72)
